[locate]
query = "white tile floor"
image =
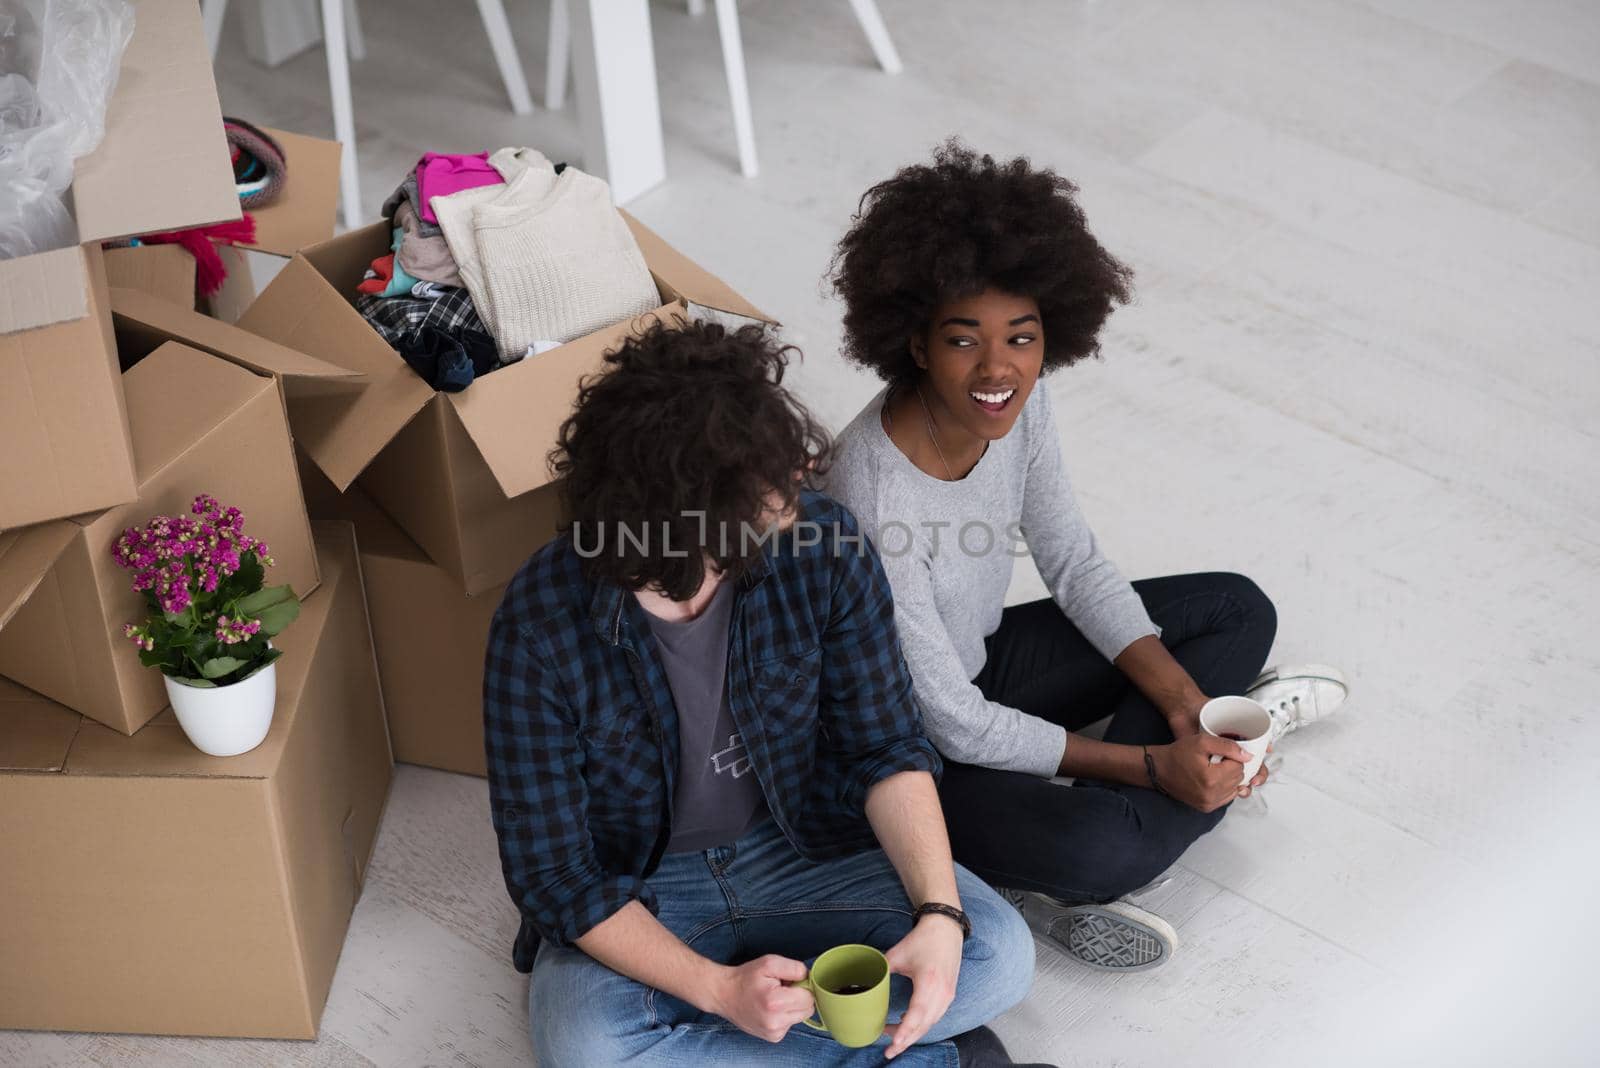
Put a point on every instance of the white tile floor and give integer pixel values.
(1364, 368)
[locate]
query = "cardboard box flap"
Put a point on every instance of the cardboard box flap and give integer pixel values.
(43, 289)
(26, 556)
(35, 732)
(342, 434)
(164, 162)
(134, 311)
(160, 747)
(303, 215)
(514, 415)
(165, 271)
(165, 429)
(687, 277)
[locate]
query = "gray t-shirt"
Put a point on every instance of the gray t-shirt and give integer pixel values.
(718, 797)
(947, 549)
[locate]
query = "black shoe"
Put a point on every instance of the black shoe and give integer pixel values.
(981, 1048)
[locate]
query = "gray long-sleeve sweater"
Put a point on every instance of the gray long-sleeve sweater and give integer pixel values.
(950, 584)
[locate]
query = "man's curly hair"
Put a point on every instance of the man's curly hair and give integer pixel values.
(684, 419)
(965, 223)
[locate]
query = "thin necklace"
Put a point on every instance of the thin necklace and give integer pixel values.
(934, 437)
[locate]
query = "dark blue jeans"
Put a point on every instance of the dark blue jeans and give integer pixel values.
(1096, 841)
(755, 896)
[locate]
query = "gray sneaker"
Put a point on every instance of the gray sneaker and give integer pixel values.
(1115, 937)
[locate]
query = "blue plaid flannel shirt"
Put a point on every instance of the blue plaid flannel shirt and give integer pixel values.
(582, 735)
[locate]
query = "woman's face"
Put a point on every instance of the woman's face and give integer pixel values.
(981, 356)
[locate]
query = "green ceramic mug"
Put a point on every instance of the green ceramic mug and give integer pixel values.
(851, 988)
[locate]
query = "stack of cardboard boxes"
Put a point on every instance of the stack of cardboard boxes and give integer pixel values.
(147, 887)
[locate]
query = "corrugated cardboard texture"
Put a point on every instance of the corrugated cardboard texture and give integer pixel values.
(432, 675)
(303, 215)
(302, 310)
(26, 556)
(143, 323)
(164, 162)
(229, 438)
(42, 289)
(64, 445)
(238, 289)
(163, 271)
(153, 889)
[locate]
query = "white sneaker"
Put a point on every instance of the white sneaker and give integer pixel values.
(1115, 937)
(1297, 694)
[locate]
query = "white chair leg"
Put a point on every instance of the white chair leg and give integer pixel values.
(493, 13)
(558, 53)
(352, 31)
(211, 13)
(738, 87)
(877, 35)
(344, 122)
(697, 7)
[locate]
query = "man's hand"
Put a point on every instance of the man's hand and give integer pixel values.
(1186, 772)
(930, 956)
(754, 999)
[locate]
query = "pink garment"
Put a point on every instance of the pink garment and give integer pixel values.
(440, 175)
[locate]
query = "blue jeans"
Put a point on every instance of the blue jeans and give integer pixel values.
(1096, 841)
(756, 896)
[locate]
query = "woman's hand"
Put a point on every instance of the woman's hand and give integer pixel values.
(1185, 770)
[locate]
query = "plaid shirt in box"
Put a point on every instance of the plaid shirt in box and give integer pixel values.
(582, 734)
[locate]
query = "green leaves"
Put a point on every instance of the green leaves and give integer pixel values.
(275, 606)
(219, 666)
(190, 647)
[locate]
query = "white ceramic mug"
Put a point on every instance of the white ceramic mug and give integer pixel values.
(1248, 720)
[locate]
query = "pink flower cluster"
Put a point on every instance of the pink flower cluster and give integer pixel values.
(176, 557)
(136, 634)
(232, 632)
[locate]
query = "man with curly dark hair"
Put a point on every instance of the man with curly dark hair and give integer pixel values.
(705, 760)
(964, 281)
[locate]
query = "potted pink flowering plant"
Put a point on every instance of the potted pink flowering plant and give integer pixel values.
(211, 620)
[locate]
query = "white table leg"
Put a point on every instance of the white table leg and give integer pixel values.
(877, 35)
(619, 111)
(493, 13)
(738, 88)
(344, 121)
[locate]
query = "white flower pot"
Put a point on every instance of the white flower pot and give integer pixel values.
(226, 720)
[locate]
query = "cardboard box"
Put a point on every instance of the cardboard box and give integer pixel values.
(150, 888)
(163, 165)
(430, 637)
(199, 425)
(302, 215)
(464, 474)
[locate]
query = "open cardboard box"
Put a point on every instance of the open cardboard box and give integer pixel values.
(302, 215)
(150, 888)
(432, 673)
(464, 474)
(163, 165)
(199, 424)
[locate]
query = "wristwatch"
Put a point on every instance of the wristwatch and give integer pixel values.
(935, 908)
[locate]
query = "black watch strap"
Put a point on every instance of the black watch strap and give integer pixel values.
(935, 908)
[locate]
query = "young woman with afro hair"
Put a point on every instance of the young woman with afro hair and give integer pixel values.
(965, 280)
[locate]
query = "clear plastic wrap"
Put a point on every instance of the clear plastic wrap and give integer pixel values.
(58, 66)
